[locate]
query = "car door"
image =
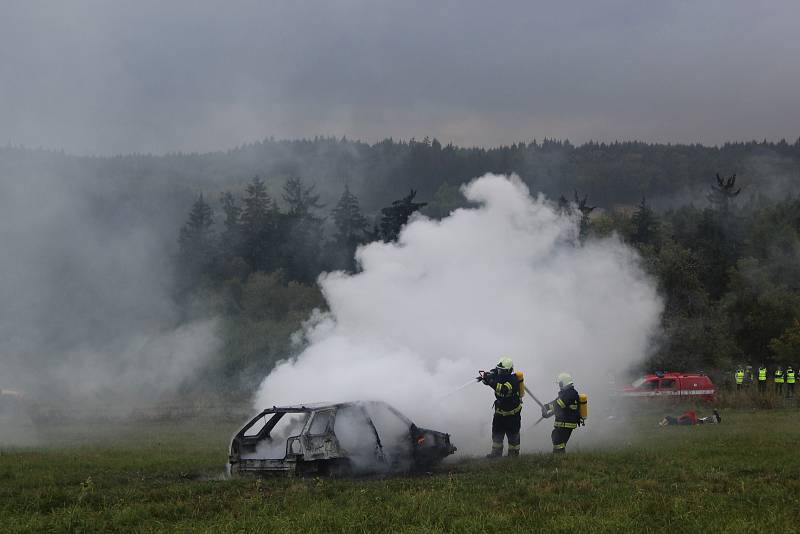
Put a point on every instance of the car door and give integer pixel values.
(318, 439)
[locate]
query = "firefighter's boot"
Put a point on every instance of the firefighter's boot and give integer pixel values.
(513, 444)
(497, 450)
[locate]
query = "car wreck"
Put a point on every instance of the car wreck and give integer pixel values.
(348, 438)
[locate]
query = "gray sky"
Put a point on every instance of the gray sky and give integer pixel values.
(153, 76)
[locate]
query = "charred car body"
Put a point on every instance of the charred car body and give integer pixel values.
(342, 438)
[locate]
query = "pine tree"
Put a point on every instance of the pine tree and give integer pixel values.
(300, 200)
(351, 231)
(258, 206)
(259, 227)
(232, 234)
(232, 264)
(300, 232)
(196, 232)
(645, 225)
(196, 240)
(350, 222)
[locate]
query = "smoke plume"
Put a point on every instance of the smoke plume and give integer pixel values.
(508, 276)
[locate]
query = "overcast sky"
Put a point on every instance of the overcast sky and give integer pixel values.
(156, 76)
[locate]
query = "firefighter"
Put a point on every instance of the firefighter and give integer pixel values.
(790, 379)
(509, 388)
(739, 378)
(762, 378)
(565, 408)
(779, 380)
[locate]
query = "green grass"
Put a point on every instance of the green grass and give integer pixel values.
(741, 476)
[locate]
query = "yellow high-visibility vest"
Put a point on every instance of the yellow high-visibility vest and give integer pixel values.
(790, 376)
(778, 376)
(739, 377)
(762, 374)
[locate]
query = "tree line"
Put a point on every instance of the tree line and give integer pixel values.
(257, 235)
(728, 271)
(610, 173)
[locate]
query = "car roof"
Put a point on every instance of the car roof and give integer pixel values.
(675, 375)
(312, 406)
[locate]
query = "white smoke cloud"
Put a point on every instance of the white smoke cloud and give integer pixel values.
(506, 277)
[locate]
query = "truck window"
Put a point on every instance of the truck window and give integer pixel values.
(651, 384)
(668, 383)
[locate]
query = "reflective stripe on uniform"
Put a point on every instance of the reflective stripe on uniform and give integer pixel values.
(573, 406)
(561, 403)
(515, 411)
(560, 446)
(563, 424)
(504, 389)
(496, 445)
(513, 447)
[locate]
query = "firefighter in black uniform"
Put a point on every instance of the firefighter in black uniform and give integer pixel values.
(565, 408)
(509, 388)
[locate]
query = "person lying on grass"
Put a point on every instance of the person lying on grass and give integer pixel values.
(690, 418)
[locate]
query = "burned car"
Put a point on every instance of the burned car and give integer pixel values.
(335, 439)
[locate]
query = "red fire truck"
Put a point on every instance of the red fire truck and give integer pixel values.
(672, 385)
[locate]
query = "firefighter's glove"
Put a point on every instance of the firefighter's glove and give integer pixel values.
(545, 412)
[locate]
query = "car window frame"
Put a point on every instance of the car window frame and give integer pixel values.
(330, 412)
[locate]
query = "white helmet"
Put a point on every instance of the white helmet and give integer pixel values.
(564, 380)
(505, 363)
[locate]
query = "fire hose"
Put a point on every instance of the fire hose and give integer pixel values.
(537, 402)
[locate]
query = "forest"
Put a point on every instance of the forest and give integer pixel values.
(243, 234)
(725, 257)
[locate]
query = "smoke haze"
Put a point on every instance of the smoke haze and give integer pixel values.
(506, 277)
(86, 312)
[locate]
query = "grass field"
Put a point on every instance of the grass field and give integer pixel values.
(741, 476)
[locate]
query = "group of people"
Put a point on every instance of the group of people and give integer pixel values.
(744, 376)
(509, 389)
